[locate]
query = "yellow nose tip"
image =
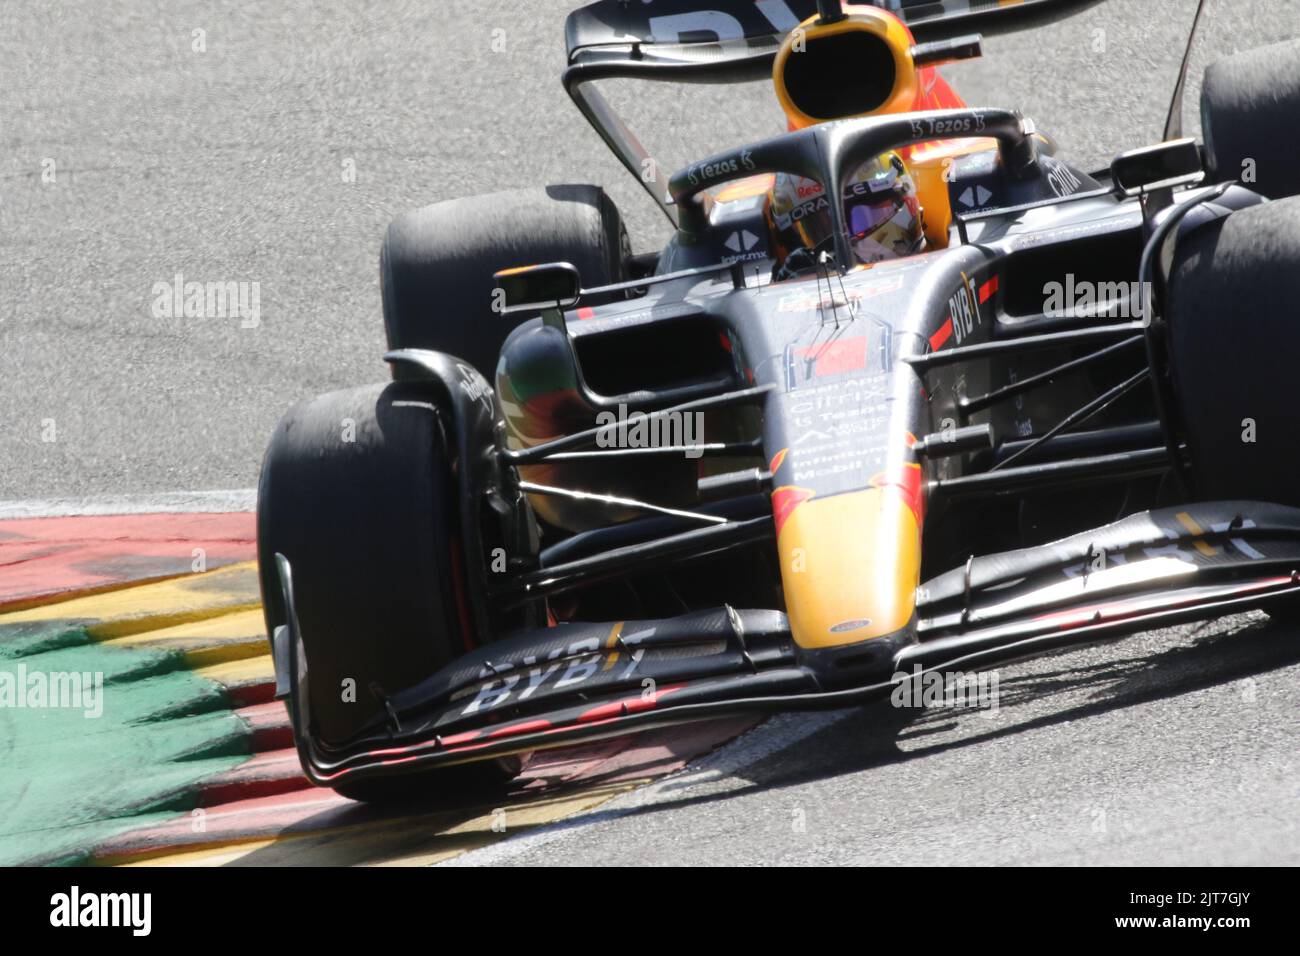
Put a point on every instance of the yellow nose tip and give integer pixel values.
(850, 564)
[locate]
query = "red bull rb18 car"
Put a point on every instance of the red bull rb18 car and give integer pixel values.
(907, 392)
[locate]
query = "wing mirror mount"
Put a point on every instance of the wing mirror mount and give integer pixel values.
(1162, 166)
(548, 288)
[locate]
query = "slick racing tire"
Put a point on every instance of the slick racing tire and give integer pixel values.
(1233, 344)
(437, 263)
(356, 491)
(1249, 105)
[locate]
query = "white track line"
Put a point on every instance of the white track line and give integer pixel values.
(166, 502)
(772, 736)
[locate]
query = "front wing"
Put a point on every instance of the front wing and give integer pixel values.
(577, 682)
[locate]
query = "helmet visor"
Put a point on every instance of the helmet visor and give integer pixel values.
(866, 217)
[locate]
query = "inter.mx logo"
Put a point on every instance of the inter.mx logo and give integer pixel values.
(742, 243)
(75, 908)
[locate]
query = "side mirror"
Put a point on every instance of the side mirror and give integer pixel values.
(1164, 165)
(554, 285)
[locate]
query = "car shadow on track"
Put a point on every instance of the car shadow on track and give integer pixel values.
(1216, 653)
(1070, 685)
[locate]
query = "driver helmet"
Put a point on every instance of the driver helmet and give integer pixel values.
(880, 208)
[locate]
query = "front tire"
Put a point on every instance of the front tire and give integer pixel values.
(1233, 338)
(357, 492)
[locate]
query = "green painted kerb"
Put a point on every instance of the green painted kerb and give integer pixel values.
(70, 778)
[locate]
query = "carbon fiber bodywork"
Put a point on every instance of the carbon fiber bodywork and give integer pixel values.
(845, 373)
(584, 681)
(860, 429)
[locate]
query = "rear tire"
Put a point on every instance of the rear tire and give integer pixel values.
(357, 492)
(1249, 105)
(437, 263)
(1233, 345)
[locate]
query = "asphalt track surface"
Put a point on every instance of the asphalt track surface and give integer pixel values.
(1178, 746)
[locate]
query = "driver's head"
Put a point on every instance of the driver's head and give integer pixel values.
(880, 209)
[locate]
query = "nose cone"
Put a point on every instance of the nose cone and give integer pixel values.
(850, 564)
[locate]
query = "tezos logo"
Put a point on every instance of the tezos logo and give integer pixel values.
(706, 171)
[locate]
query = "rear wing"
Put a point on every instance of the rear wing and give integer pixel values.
(724, 41)
(678, 29)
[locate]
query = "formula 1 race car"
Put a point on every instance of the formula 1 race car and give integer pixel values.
(762, 469)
